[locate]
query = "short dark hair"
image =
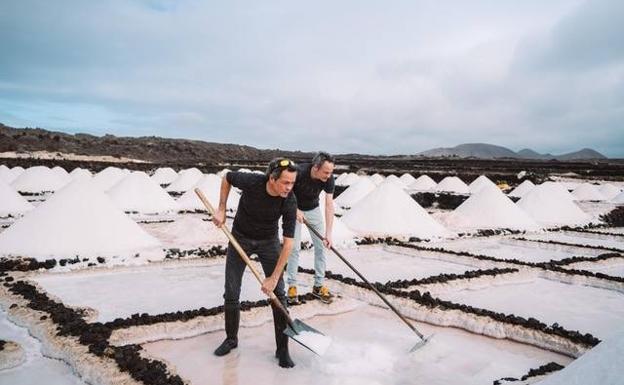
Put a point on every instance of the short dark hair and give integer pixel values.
(278, 165)
(321, 157)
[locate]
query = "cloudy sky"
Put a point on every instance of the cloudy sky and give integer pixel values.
(378, 77)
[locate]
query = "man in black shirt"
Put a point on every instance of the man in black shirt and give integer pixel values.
(313, 178)
(264, 199)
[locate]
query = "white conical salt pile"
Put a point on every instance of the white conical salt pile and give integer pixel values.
(376, 178)
(452, 184)
(340, 178)
(80, 173)
(38, 179)
(186, 180)
(618, 198)
(210, 185)
(522, 189)
(389, 210)
(407, 179)
(354, 193)
(17, 171)
(549, 206)
(489, 208)
(341, 234)
(11, 203)
(423, 183)
(244, 170)
(480, 182)
(77, 220)
(164, 175)
(108, 177)
(189, 231)
(351, 179)
(587, 192)
(137, 192)
(61, 172)
(222, 173)
(6, 175)
(609, 191)
(559, 189)
(395, 179)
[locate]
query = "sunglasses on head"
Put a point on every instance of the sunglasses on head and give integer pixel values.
(282, 163)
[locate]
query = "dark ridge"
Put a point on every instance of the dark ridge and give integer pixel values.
(597, 247)
(615, 218)
(212, 252)
(444, 278)
(542, 370)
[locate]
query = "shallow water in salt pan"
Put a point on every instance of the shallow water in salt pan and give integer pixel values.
(36, 367)
(371, 346)
(152, 290)
(575, 307)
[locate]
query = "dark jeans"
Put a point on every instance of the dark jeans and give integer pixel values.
(268, 251)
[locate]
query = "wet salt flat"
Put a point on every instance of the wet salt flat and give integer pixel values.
(507, 248)
(613, 269)
(152, 290)
(379, 265)
(370, 346)
(580, 238)
(36, 366)
(575, 307)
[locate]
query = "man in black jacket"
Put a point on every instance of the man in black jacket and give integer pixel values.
(264, 199)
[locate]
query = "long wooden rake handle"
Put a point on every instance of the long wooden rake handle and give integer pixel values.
(243, 255)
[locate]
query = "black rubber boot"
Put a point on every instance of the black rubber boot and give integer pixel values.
(232, 319)
(281, 340)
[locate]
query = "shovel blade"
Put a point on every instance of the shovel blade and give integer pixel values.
(308, 337)
(422, 343)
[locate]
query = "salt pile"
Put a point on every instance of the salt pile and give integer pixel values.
(189, 231)
(5, 174)
(479, 183)
(210, 185)
(376, 178)
(80, 173)
(77, 220)
(609, 191)
(164, 175)
(423, 183)
(619, 198)
(395, 179)
(61, 173)
(38, 179)
(340, 178)
(601, 365)
(354, 193)
(407, 179)
(137, 192)
(522, 189)
(350, 179)
(452, 184)
(17, 171)
(489, 208)
(108, 177)
(587, 192)
(222, 173)
(186, 180)
(341, 234)
(11, 203)
(388, 210)
(551, 205)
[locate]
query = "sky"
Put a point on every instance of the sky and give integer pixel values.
(370, 77)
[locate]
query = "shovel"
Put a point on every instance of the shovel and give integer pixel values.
(298, 330)
(423, 339)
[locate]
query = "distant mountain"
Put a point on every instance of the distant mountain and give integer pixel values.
(472, 150)
(490, 151)
(586, 153)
